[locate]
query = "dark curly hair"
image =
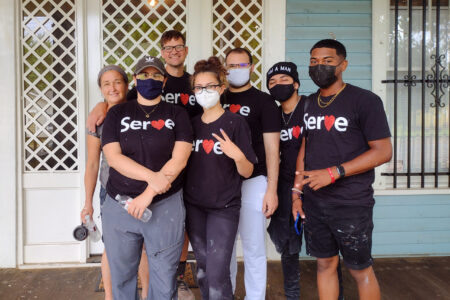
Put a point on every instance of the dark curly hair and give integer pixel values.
(212, 65)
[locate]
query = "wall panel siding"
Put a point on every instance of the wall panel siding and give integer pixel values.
(412, 225)
(308, 21)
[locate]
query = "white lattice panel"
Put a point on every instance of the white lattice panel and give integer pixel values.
(239, 24)
(133, 28)
(49, 86)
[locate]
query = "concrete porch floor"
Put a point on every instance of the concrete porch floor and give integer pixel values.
(400, 278)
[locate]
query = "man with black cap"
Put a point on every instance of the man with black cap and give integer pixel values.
(283, 85)
(147, 143)
(284, 231)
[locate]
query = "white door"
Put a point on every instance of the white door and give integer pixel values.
(51, 130)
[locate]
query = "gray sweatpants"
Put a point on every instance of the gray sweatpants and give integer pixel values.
(163, 236)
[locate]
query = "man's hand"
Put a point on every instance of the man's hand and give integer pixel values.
(270, 203)
(96, 116)
(297, 206)
(317, 179)
(159, 183)
(137, 207)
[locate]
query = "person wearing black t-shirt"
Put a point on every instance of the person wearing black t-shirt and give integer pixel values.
(346, 137)
(259, 192)
(147, 143)
(177, 90)
(221, 154)
(283, 85)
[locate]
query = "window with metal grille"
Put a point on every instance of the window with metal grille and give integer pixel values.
(49, 89)
(239, 24)
(418, 93)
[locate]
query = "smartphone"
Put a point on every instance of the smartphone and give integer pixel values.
(299, 222)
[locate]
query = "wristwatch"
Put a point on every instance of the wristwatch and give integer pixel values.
(341, 171)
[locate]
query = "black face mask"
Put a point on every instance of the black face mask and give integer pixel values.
(282, 92)
(323, 75)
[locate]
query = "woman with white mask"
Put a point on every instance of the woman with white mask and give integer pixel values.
(221, 154)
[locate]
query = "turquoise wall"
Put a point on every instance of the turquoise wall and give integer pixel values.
(412, 225)
(404, 225)
(313, 20)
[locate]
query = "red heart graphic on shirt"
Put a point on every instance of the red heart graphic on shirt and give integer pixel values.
(234, 108)
(184, 98)
(329, 122)
(158, 124)
(208, 145)
(296, 131)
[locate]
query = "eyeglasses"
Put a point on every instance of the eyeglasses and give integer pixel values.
(177, 48)
(210, 88)
(145, 76)
(238, 66)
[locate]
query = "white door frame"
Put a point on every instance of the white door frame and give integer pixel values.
(8, 122)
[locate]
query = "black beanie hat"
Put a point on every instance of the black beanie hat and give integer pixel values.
(283, 67)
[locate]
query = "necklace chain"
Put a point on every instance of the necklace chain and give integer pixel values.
(290, 115)
(323, 104)
(147, 114)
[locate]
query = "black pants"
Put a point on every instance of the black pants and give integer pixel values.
(282, 234)
(212, 234)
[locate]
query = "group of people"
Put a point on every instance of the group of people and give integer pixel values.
(213, 157)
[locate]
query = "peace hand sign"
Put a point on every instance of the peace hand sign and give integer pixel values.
(228, 147)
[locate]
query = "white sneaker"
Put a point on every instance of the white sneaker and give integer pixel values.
(184, 293)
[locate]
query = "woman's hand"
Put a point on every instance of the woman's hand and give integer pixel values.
(159, 182)
(137, 206)
(228, 147)
(87, 210)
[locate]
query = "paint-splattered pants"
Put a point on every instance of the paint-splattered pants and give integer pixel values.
(330, 229)
(212, 234)
(163, 236)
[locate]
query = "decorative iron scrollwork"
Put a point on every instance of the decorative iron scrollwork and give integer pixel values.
(439, 82)
(409, 80)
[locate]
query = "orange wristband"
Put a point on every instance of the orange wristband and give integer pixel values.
(333, 180)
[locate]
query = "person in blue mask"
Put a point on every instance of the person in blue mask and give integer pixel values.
(147, 143)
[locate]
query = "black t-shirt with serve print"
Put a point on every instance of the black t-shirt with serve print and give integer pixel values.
(291, 136)
(148, 142)
(212, 179)
(262, 115)
(339, 133)
(178, 91)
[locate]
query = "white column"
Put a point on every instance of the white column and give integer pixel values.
(8, 120)
(274, 34)
(199, 31)
(380, 46)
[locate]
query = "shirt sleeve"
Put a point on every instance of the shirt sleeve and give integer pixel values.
(183, 128)
(243, 139)
(372, 118)
(111, 126)
(271, 118)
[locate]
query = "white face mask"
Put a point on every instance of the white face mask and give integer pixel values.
(238, 77)
(207, 99)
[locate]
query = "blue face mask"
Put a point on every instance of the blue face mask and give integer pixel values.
(149, 88)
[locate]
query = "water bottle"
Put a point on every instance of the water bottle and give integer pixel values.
(94, 233)
(124, 200)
